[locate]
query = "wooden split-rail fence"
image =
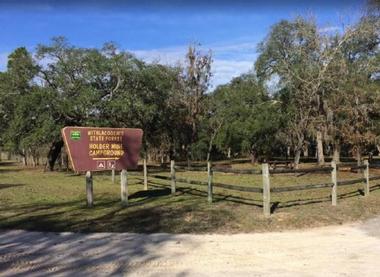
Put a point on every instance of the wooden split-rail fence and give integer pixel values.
(266, 190)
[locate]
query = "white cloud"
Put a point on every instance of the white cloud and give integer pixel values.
(225, 70)
(230, 59)
(170, 55)
(329, 29)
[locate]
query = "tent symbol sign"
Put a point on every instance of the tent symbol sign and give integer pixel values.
(101, 164)
(111, 164)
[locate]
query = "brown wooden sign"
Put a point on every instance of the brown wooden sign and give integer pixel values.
(96, 149)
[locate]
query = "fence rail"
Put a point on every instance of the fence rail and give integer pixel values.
(237, 187)
(351, 166)
(214, 184)
(236, 171)
(301, 187)
(191, 168)
(266, 189)
(281, 171)
(301, 170)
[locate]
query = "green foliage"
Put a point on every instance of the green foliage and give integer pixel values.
(247, 114)
(32, 127)
(324, 83)
(18, 102)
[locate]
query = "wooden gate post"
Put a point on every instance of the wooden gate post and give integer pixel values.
(335, 183)
(124, 186)
(145, 175)
(172, 174)
(266, 189)
(89, 189)
(209, 183)
(366, 177)
(113, 176)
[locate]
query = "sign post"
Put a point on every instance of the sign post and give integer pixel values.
(113, 176)
(172, 175)
(266, 189)
(98, 149)
(335, 183)
(145, 175)
(124, 186)
(89, 189)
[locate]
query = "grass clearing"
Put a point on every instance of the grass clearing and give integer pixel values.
(55, 201)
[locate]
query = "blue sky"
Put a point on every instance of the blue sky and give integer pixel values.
(162, 30)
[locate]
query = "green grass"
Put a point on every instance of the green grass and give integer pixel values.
(34, 200)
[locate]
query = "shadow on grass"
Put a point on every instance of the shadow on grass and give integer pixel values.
(150, 193)
(10, 170)
(5, 186)
(308, 201)
(147, 212)
(8, 163)
(71, 216)
(217, 197)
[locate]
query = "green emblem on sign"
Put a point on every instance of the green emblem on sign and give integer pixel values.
(75, 135)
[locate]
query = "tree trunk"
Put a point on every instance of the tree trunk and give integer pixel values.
(66, 161)
(34, 157)
(320, 155)
(287, 152)
(209, 149)
(358, 156)
(9, 155)
(54, 151)
(253, 156)
(328, 150)
(306, 151)
(24, 158)
(34, 160)
(297, 155)
(336, 153)
(378, 149)
(63, 162)
(188, 155)
(229, 153)
(370, 157)
(208, 156)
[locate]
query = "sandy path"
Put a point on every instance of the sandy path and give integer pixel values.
(347, 250)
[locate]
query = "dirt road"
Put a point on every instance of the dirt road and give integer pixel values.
(347, 250)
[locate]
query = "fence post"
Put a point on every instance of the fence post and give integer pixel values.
(89, 189)
(335, 184)
(145, 176)
(266, 189)
(124, 186)
(366, 177)
(209, 187)
(172, 174)
(113, 176)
